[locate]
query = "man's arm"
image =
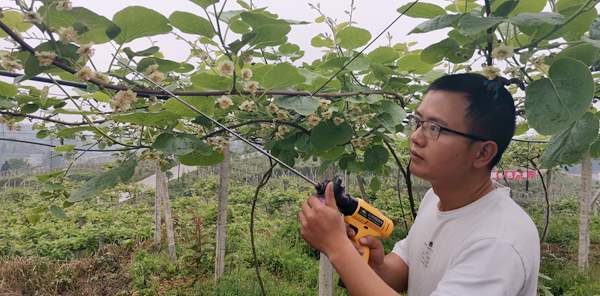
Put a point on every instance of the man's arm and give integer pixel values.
(394, 272)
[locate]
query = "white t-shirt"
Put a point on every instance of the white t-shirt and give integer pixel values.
(488, 247)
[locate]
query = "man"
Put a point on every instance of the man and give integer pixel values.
(469, 237)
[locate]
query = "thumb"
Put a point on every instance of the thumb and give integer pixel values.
(329, 196)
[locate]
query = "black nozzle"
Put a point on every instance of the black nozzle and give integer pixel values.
(345, 203)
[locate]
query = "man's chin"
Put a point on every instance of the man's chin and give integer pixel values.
(418, 171)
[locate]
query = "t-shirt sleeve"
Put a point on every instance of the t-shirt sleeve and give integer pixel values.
(401, 249)
(489, 266)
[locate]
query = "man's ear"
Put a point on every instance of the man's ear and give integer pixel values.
(485, 154)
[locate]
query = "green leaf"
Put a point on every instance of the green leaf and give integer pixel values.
(528, 6)
(375, 157)
(422, 10)
(65, 148)
(553, 103)
(437, 51)
(138, 21)
(578, 26)
(205, 3)
(413, 63)
(5, 104)
(569, 145)
(162, 119)
(179, 144)
(595, 29)
(321, 41)
(69, 132)
(585, 53)
(94, 26)
(595, 149)
(14, 20)
(163, 65)
(436, 23)
(383, 55)
(7, 90)
(267, 30)
(375, 184)
(204, 104)
(201, 158)
(142, 53)
(303, 105)
(57, 212)
(281, 76)
(528, 19)
(390, 115)
(327, 135)
(110, 178)
(67, 51)
(208, 81)
(192, 24)
(470, 25)
(353, 37)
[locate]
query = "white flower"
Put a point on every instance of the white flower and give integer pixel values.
(224, 102)
(10, 63)
(502, 52)
(219, 143)
(247, 59)
(67, 34)
(281, 131)
(313, 120)
(32, 17)
(282, 115)
(246, 74)
(45, 58)
(247, 106)
(360, 142)
(272, 108)
(157, 77)
(102, 78)
(327, 114)
(64, 5)
(363, 119)
(251, 86)
(324, 104)
(150, 69)
(226, 68)
(355, 110)
(124, 99)
(86, 50)
(85, 73)
(490, 72)
(338, 120)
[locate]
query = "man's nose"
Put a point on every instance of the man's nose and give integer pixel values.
(417, 137)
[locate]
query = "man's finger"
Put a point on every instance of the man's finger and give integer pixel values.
(329, 196)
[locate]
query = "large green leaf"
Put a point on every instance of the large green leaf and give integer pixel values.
(553, 103)
(110, 178)
(436, 23)
(163, 65)
(302, 105)
(208, 81)
(353, 37)
(204, 104)
(267, 30)
(200, 157)
(179, 144)
(383, 55)
(327, 135)
(14, 20)
(413, 63)
(281, 76)
(528, 19)
(390, 115)
(528, 6)
(375, 157)
(437, 51)
(569, 145)
(205, 3)
(470, 25)
(92, 25)
(191, 24)
(138, 21)
(67, 51)
(578, 26)
(585, 53)
(163, 118)
(7, 90)
(422, 10)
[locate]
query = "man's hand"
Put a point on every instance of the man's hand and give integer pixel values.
(377, 254)
(321, 224)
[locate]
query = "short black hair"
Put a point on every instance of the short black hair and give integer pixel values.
(490, 111)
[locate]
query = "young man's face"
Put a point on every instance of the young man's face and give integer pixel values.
(450, 155)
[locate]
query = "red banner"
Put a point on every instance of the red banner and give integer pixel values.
(514, 175)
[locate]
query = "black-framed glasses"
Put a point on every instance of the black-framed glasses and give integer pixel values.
(432, 130)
